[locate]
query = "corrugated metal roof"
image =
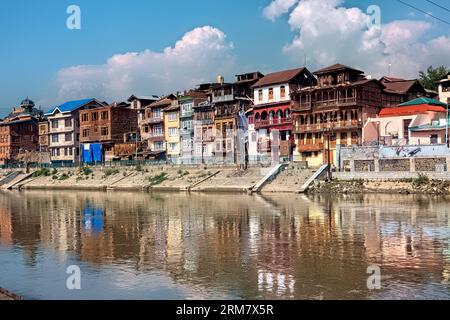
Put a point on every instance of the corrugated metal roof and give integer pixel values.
(70, 106)
(423, 100)
(410, 110)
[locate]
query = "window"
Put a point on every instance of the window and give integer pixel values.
(159, 145)
(173, 146)
(58, 152)
(157, 113)
(78, 137)
(105, 115)
(146, 130)
(173, 116)
(434, 139)
(68, 137)
(270, 93)
(94, 116)
(55, 138)
(283, 92)
(84, 117)
(68, 123)
(157, 131)
(260, 95)
(173, 132)
(66, 152)
(70, 151)
(85, 133)
(55, 124)
(104, 131)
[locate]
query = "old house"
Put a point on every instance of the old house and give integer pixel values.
(204, 130)
(187, 103)
(229, 100)
(444, 89)
(138, 103)
(64, 130)
(421, 121)
(333, 112)
(107, 126)
(272, 112)
(399, 90)
(172, 131)
(152, 126)
(19, 133)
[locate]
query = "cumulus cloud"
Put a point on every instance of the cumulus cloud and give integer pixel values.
(277, 8)
(328, 32)
(200, 55)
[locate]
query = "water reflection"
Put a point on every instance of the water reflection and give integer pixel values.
(224, 246)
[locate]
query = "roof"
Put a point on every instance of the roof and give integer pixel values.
(410, 110)
(397, 85)
(172, 108)
(162, 102)
(336, 67)
(424, 100)
(279, 77)
(428, 127)
(152, 97)
(70, 106)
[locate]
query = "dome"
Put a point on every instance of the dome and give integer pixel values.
(27, 103)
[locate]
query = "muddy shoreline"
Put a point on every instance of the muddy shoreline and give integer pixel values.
(5, 295)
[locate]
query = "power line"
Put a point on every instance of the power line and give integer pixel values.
(424, 12)
(438, 5)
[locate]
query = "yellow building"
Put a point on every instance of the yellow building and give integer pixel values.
(172, 130)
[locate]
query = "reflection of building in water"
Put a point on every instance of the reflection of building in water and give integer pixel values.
(5, 225)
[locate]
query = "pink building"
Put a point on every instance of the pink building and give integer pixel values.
(421, 121)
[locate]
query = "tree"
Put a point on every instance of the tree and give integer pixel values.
(430, 78)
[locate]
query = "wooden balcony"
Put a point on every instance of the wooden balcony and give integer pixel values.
(310, 147)
(159, 137)
(153, 120)
(320, 127)
(272, 122)
(325, 104)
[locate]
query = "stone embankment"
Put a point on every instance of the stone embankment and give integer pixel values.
(419, 185)
(6, 295)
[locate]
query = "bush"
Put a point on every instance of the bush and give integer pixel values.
(64, 176)
(43, 172)
(54, 171)
(55, 177)
(86, 171)
(158, 179)
(111, 172)
(420, 181)
(138, 168)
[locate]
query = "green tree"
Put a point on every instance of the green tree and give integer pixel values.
(430, 78)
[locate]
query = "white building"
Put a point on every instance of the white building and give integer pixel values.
(64, 130)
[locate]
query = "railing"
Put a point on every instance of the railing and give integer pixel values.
(156, 137)
(310, 147)
(328, 126)
(271, 122)
(334, 103)
(152, 120)
(187, 114)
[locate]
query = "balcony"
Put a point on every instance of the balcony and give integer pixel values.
(156, 137)
(153, 120)
(325, 104)
(310, 147)
(272, 122)
(205, 138)
(186, 114)
(350, 124)
(228, 97)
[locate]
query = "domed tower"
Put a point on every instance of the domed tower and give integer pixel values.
(27, 105)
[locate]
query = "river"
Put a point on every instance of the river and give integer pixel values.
(224, 246)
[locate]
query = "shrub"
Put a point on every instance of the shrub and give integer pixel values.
(64, 176)
(43, 172)
(54, 177)
(86, 171)
(420, 181)
(54, 171)
(158, 179)
(138, 168)
(111, 172)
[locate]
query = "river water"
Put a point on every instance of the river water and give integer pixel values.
(224, 246)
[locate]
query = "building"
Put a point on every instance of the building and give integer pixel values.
(187, 103)
(272, 116)
(204, 131)
(152, 126)
(139, 103)
(229, 100)
(332, 113)
(64, 130)
(418, 122)
(19, 133)
(172, 131)
(399, 90)
(444, 89)
(108, 125)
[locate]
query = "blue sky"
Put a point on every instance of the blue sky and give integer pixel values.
(36, 45)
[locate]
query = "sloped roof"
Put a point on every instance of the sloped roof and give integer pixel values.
(424, 100)
(70, 106)
(278, 77)
(151, 98)
(397, 85)
(410, 110)
(336, 67)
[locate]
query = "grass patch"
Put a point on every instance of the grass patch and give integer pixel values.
(111, 172)
(86, 171)
(63, 177)
(41, 173)
(421, 181)
(158, 179)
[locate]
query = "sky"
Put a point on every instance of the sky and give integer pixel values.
(156, 47)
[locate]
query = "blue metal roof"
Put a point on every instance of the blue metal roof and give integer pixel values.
(70, 106)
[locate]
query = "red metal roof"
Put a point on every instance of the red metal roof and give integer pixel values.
(410, 110)
(278, 77)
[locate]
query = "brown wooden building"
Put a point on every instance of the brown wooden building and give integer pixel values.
(108, 125)
(337, 108)
(19, 133)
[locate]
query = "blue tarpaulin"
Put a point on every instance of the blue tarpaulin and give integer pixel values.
(93, 219)
(92, 152)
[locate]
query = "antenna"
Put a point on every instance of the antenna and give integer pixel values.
(389, 69)
(305, 60)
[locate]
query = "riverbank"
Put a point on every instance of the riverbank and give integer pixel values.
(8, 296)
(420, 185)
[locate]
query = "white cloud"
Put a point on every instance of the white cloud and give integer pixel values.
(277, 8)
(200, 55)
(327, 32)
